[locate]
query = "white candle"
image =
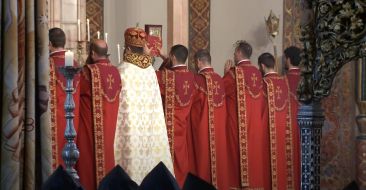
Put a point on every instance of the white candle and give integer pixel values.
(98, 35)
(88, 29)
(69, 58)
(119, 53)
(106, 37)
(79, 28)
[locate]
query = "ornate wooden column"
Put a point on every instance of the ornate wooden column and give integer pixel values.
(333, 34)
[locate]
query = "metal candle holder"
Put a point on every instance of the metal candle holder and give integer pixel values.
(70, 153)
(80, 51)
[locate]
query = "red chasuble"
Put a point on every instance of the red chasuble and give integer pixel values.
(208, 121)
(177, 89)
(100, 86)
(280, 131)
(57, 100)
(293, 76)
(247, 134)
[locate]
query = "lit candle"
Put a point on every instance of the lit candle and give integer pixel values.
(88, 29)
(98, 35)
(79, 33)
(69, 58)
(106, 37)
(119, 53)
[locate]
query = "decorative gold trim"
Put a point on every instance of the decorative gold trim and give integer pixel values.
(53, 108)
(98, 122)
(272, 133)
(180, 101)
(140, 60)
(211, 128)
(170, 106)
(200, 88)
(242, 126)
(289, 141)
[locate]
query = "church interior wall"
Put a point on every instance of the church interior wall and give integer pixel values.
(233, 20)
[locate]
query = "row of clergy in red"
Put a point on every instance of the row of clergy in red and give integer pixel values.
(238, 131)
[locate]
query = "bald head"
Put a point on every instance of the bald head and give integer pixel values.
(99, 47)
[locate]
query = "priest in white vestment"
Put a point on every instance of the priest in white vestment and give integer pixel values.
(141, 140)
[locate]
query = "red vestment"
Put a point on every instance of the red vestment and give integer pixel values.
(100, 86)
(280, 131)
(177, 89)
(208, 121)
(57, 100)
(293, 76)
(247, 134)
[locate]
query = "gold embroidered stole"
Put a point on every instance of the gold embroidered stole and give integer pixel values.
(289, 143)
(53, 108)
(97, 101)
(211, 127)
(273, 138)
(170, 106)
(242, 127)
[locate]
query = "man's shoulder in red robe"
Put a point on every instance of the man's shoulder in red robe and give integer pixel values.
(280, 130)
(208, 132)
(177, 89)
(246, 126)
(99, 102)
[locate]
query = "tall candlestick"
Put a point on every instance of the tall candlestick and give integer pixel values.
(79, 30)
(69, 58)
(98, 35)
(70, 152)
(106, 37)
(88, 29)
(119, 53)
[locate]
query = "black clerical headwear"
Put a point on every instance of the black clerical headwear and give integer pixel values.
(117, 179)
(159, 178)
(195, 183)
(61, 180)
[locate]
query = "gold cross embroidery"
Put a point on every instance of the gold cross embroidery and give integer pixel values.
(186, 87)
(110, 80)
(254, 79)
(278, 92)
(215, 87)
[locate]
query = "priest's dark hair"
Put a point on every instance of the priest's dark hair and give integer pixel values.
(100, 51)
(134, 49)
(180, 52)
(57, 37)
(244, 47)
(266, 59)
(203, 55)
(293, 53)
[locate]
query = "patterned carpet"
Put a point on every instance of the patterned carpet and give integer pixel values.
(199, 27)
(94, 11)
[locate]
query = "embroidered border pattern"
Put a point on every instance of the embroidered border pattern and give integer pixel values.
(140, 60)
(242, 125)
(98, 122)
(272, 133)
(169, 107)
(53, 104)
(289, 142)
(211, 128)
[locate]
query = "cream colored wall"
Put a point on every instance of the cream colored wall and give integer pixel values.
(120, 15)
(233, 20)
